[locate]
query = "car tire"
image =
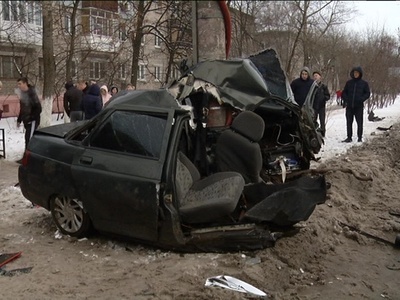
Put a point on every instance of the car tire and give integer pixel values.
(70, 217)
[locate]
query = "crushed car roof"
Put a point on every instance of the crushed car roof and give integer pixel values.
(244, 83)
(153, 98)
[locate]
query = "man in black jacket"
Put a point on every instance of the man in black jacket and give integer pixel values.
(30, 108)
(301, 86)
(321, 97)
(73, 102)
(355, 92)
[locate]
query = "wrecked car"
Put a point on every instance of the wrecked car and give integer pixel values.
(208, 163)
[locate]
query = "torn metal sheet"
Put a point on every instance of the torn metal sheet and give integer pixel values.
(234, 284)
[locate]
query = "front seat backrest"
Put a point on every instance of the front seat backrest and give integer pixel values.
(237, 148)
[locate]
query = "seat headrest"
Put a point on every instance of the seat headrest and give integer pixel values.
(250, 125)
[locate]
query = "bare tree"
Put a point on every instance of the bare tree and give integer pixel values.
(72, 40)
(243, 16)
(178, 40)
(136, 38)
(303, 23)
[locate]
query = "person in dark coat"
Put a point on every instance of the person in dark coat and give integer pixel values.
(73, 102)
(92, 103)
(30, 108)
(322, 95)
(301, 86)
(355, 93)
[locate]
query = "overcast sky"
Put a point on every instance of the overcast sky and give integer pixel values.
(375, 15)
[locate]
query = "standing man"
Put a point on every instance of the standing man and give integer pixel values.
(355, 92)
(73, 102)
(30, 108)
(321, 97)
(301, 86)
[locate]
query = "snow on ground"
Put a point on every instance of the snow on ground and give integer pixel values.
(335, 131)
(15, 140)
(336, 128)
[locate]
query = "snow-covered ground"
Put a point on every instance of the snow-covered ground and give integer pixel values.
(336, 128)
(335, 131)
(15, 141)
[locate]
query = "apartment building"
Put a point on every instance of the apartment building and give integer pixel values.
(93, 40)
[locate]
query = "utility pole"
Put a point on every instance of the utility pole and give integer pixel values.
(208, 33)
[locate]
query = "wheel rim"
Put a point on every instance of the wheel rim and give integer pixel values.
(68, 213)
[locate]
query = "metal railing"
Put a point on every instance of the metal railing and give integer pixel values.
(2, 143)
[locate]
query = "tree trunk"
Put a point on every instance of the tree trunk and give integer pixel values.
(71, 50)
(136, 43)
(49, 68)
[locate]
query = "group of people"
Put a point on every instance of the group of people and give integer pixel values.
(353, 96)
(85, 100)
(81, 102)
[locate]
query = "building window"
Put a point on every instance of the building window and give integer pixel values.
(142, 72)
(122, 33)
(6, 10)
(22, 11)
(34, 13)
(157, 41)
(97, 70)
(68, 24)
(122, 72)
(175, 73)
(8, 69)
(13, 11)
(101, 23)
(157, 73)
(156, 5)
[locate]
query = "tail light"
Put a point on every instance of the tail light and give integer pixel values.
(26, 157)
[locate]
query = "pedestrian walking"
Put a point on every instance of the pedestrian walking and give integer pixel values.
(30, 108)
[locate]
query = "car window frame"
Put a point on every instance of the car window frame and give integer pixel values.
(97, 130)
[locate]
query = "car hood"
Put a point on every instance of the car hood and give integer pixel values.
(243, 83)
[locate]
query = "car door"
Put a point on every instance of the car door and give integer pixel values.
(119, 173)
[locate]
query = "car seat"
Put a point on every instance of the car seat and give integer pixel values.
(205, 200)
(238, 150)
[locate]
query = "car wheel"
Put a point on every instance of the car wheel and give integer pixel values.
(70, 217)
